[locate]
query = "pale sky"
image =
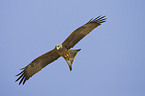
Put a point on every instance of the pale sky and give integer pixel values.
(112, 59)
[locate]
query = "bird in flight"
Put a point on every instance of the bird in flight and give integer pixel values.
(60, 50)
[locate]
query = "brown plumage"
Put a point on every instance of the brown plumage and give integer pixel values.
(37, 64)
(60, 50)
(82, 31)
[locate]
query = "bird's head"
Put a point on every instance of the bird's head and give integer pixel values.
(58, 46)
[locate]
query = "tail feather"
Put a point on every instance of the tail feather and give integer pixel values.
(72, 57)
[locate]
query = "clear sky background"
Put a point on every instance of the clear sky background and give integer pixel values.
(112, 59)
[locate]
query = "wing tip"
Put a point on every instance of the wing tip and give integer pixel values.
(22, 76)
(100, 19)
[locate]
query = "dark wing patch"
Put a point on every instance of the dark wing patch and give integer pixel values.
(82, 31)
(36, 65)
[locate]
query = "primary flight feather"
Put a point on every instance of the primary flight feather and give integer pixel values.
(60, 50)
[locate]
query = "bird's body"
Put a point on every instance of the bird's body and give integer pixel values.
(60, 50)
(68, 55)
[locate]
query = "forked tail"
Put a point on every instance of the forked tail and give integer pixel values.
(72, 57)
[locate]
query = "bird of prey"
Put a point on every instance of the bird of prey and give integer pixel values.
(60, 50)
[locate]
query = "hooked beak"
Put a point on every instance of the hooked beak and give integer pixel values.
(57, 48)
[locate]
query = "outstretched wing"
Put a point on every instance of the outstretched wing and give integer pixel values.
(36, 65)
(82, 31)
